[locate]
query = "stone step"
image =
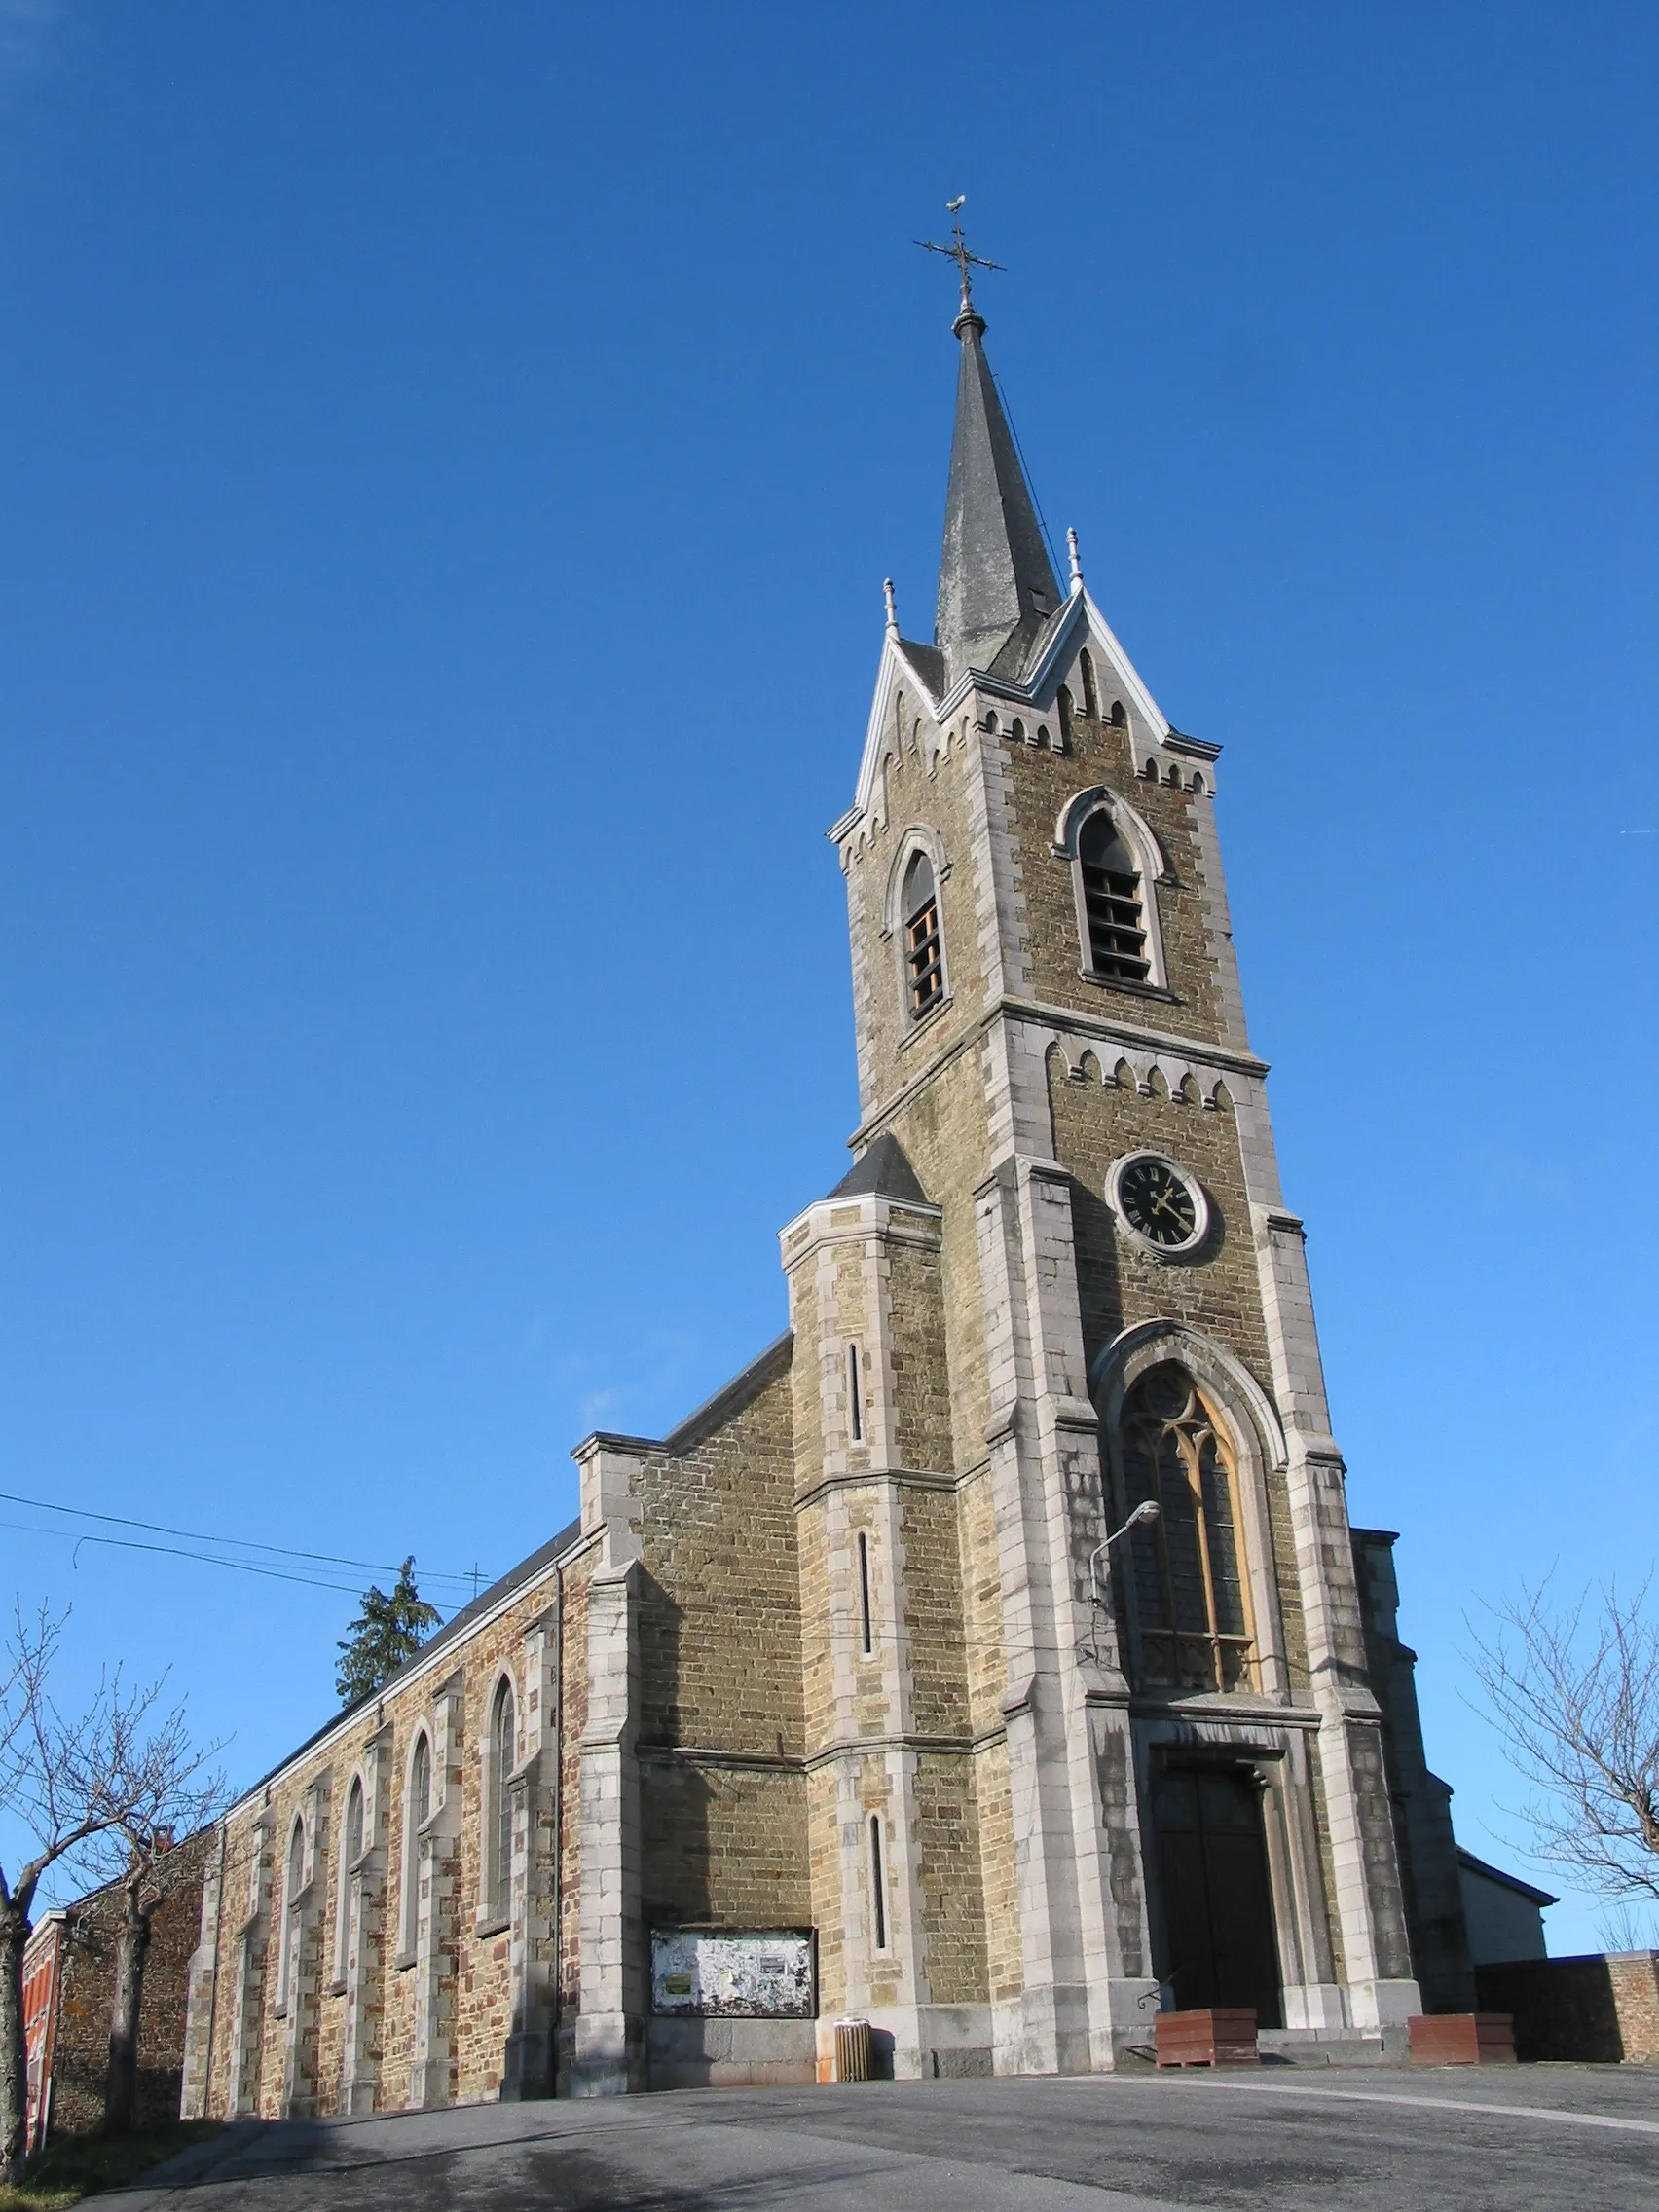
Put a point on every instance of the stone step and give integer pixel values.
(1304, 2047)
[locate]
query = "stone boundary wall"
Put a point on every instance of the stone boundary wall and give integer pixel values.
(1603, 2007)
(86, 1992)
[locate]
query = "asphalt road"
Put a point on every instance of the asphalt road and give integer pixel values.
(1534, 2139)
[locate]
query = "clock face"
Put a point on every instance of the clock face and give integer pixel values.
(1159, 1203)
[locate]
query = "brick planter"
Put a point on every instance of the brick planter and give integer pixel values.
(1462, 2038)
(1223, 2036)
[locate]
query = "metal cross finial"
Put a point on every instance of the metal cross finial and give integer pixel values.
(958, 252)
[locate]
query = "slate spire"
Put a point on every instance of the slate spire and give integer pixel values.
(996, 584)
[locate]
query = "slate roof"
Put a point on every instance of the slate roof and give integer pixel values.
(884, 1173)
(451, 1632)
(996, 585)
(1473, 1865)
(929, 664)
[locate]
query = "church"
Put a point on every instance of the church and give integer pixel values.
(992, 1660)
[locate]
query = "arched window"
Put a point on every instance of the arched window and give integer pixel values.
(924, 961)
(1064, 709)
(1086, 677)
(1120, 715)
(499, 1807)
(350, 1851)
(293, 1881)
(417, 1813)
(1190, 1596)
(1112, 902)
(355, 1822)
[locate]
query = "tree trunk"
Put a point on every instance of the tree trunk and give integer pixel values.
(121, 2084)
(14, 2053)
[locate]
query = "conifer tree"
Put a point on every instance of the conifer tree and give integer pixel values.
(387, 1630)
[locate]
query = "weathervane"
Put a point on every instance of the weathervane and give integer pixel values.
(958, 252)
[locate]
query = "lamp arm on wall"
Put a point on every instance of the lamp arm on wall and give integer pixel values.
(1148, 1510)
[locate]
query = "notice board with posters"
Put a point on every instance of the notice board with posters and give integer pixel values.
(734, 1974)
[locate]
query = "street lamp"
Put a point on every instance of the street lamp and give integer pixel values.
(1146, 1510)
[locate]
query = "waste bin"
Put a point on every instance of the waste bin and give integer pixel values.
(852, 2050)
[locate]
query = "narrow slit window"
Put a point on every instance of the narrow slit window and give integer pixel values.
(878, 1884)
(417, 1813)
(855, 1401)
(866, 1620)
(1112, 903)
(293, 1878)
(924, 958)
(350, 1851)
(499, 1838)
(1086, 675)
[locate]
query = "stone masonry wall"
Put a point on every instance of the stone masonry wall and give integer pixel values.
(1040, 783)
(918, 786)
(722, 1721)
(1096, 1121)
(944, 1130)
(1598, 2009)
(720, 1620)
(475, 1999)
(86, 1993)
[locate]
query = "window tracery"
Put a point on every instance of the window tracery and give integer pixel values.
(1191, 1600)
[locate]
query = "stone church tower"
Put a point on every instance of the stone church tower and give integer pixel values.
(992, 1660)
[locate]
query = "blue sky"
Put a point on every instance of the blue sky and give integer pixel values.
(450, 459)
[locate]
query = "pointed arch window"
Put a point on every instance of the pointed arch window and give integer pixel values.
(499, 1806)
(1112, 903)
(1086, 677)
(350, 1851)
(1191, 1602)
(293, 1881)
(417, 1813)
(924, 951)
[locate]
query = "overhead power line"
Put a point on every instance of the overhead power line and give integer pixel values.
(272, 1551)
(177, 1551)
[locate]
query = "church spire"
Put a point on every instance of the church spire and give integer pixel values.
(996, 585)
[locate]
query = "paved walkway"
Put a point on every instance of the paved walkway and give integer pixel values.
(1530, 2139)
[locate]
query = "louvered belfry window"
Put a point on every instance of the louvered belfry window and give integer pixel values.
(1189, 1598)
(1112, 903)
(924, 963)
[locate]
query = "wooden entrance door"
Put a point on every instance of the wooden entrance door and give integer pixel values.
(1219, 1946)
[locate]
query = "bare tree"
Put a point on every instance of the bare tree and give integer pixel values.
(118, 1769)
(1575, 1691)
(151, 1869)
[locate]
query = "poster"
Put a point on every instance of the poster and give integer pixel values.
(735, 1974)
